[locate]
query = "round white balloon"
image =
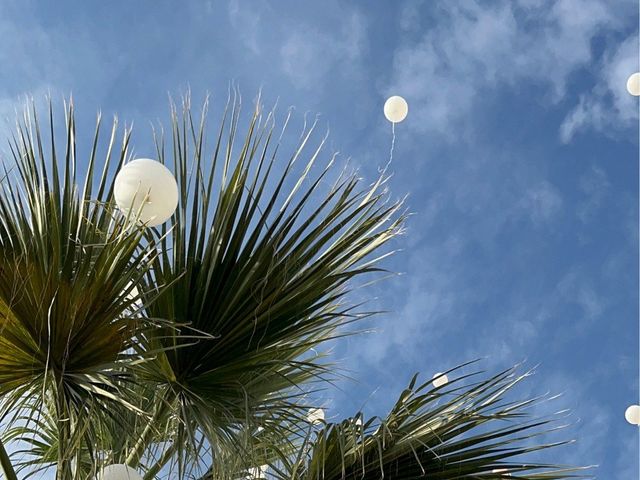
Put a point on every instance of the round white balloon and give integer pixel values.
(632, 414)
(501, 471)
(396, 109)
(633, 84)
(258, 472)
(147, 190)
(315, 415)
(119, 471)
(439, 380)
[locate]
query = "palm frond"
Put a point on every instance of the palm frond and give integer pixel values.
(194, 347)
(258, 264)
(66, 266)
(467, 429)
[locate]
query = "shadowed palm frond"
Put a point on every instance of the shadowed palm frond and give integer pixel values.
(193, 348)
(465, 429)
(67, 264)
(257, 266)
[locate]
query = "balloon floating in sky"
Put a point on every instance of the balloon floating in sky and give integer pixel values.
(147, 190)
(119, 471)
(633, 84)
(632, 414)
(396, 109)
(439, 380)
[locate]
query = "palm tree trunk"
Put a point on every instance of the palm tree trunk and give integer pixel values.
(63, 420)
(133, 459)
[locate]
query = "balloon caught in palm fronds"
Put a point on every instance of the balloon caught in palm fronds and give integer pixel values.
(168, 316)
(147, 191)
(237, 289)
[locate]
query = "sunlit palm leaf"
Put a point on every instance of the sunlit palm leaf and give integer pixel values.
(466, 429)
(207, 370)
(261, 256)
(67, 264)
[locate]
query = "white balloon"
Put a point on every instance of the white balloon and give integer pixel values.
(502, 471)
(315, 415)
(396, 109)
(632, 414)
(148, 190)
(133, 296)
(633, 84)
(119, 471)
(440, 380)
(258, 472)
(134, 293)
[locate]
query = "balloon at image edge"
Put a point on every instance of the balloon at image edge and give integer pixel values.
(148, 190)
(633, 84)
(396, 109)
(632, 414)
(119, 471)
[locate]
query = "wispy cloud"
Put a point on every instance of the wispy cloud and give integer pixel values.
(304, 51)
(454, 278)
(543, 202)
(595, 185)
(508, 238)
(608, 107)
(576, 288)
(472, 48)
(247, 21)
(308, 54)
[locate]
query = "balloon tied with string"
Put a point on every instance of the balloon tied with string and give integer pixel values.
(396, 109)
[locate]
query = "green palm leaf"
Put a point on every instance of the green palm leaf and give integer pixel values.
(258, 265)
(207, 370)
(66, 268)
(466, 429)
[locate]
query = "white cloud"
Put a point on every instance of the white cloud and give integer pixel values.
(627, 454)
(594, 424)
(577, 288)
(410, 15)
(482, 196)
(247, 22)
(428, 298)
(608, 107)
(39, 58)
(595, 185)
(542, 202)
(308, 54)
(474, 47)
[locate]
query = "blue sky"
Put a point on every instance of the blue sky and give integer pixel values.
(519, 155)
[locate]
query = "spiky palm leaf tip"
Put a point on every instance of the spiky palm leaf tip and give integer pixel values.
(262, 254)
(237, 291)
(470, 428)
(67, 264)
(191, 348)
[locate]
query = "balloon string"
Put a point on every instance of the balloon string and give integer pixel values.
(393, 143)
(393, 140)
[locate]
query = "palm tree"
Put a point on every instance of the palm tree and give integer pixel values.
(195, 348)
